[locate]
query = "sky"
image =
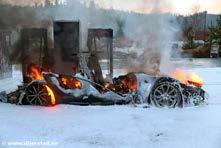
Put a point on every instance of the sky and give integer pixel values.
(175, 6)
(145, 6)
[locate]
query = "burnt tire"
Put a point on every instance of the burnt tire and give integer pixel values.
(166, 94)
(36, 94)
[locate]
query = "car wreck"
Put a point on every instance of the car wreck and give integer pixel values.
(49, 89)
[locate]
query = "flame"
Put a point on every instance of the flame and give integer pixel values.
(71, 82)
(78, 84)
(35, 73)
(188, 79)
(181, 75)
(64, 81)
(131, 81)
(124, 84)
(195, 80)
(109, 86)
(51, 94)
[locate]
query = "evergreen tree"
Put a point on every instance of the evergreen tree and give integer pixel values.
(48, 3)
(56, 2)
(120, 24)
(215, 33)
(190, 44)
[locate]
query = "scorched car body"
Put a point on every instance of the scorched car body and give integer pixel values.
(156, 91)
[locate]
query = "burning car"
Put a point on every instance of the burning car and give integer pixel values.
(48, 89)
(85, 85)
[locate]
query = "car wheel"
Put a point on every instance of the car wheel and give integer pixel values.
(166, 94)
(36, 94)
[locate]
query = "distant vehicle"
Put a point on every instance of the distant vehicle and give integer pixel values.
(214, 52)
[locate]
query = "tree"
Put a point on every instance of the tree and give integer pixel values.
(56, 2)
(48, 3)
(215, 33)
(120, 24)
(195, 17)
(190, 44)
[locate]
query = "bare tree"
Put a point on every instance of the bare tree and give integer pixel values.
(196, 17)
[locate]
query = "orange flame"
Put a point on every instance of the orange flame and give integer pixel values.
(71, 82)
(51, 94)
(195, 80)
(124, 84)
(181, 75)
(131, 81)
(189, 79)
(35, 73)
(109, 86)
(64, 81)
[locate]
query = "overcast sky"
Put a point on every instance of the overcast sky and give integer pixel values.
(145, 6)
(176, 6)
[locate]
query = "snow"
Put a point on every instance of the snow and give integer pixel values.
(116, 126)
(10, 84)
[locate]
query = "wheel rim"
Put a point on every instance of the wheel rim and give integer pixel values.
(37, 95)
(165, 95)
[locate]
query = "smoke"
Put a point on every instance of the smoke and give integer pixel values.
(16, 15)
(88, 14)
(152, 34)
(153, 38)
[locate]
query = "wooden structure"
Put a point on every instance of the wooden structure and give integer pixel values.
(5, 44)
(100, 41)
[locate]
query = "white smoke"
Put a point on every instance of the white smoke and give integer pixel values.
(152, 34)
(153, 38)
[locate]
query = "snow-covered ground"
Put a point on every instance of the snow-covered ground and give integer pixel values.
(67, 126)
(10, 84)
